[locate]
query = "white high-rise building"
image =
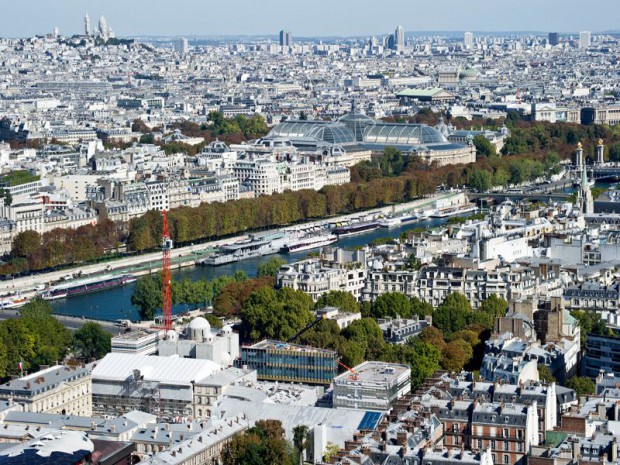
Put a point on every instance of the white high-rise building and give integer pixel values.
(399, 39)
(181, 46)
(468, 39)
(87, 25)
(585, 38)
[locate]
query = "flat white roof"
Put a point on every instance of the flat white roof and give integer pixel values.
(167, 370)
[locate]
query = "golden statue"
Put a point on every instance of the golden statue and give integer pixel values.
(600, 142)
(579, 145)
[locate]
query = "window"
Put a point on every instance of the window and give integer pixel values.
(506, 459)
(506, 433)
(506, 446)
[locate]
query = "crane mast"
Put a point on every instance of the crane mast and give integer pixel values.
(166, 278)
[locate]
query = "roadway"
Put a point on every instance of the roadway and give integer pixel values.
(70, 322)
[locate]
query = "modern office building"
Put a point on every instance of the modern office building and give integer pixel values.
(281, 361)
(602, 356)
(468, 39)
(137, 342)
(286, 38)
(371, 386)
(585, 39)
(399, 39)
(181, 46)
(554, 38)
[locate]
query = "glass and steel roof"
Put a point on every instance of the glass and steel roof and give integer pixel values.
(357, 123)
(326, 131)
(403, 134)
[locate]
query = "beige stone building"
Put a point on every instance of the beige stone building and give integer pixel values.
(59, 389)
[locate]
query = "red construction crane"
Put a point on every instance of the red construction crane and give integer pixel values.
(166, 283)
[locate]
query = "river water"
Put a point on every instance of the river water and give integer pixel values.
(114, 304)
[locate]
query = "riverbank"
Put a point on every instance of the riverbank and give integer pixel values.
(186, 256)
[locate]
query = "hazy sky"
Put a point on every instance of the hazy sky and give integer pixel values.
(306, 17)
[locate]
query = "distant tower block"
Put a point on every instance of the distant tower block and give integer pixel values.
(600, 152)
(579, 156)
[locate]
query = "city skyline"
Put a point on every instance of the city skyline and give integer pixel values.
(344, 18)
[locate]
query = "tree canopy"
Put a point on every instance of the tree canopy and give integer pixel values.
(91, 342)
(452, 314)
(270, 314)
(342, 300)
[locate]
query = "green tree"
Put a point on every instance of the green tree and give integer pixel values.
(331, 450)
(367, 334)
(392, 304)
(501, 177)
(420, 308)
(276, 315)
(300, 441)
(263, 444)
(481, 180)
(589, 322)
(214, 321)
(20, 343)
(147, 296)
(545, 374)
(484, 147)
(391, 162)
(582, 385)
(91, 341)
(270, 267)
(614, 152)
(452, 314)
(424, 361)
(51, 339)
(342, 300)
(489, 310)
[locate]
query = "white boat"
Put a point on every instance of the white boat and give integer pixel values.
(256, 246)
(390, 222)
(307, 243)
(454, 211)
(409, 218)
(58, 296)
(13, 302)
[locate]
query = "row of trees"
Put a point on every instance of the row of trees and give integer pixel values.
(213, 220)
(38, 338)
(32, 251)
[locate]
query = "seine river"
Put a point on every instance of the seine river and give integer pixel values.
(115, 303)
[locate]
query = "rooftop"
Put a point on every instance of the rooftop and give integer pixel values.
(268, 344)
(373, 372)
